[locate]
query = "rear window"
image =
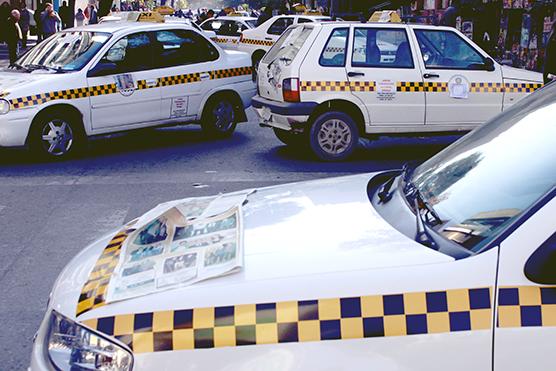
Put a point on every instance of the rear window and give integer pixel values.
(288, 45)
(334, 53)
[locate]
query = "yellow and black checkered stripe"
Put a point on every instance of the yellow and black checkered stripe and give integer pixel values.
(97, 90)
(521, 87)
(224, 41)
(94, 291)
(486, 87)
(312, 86)
(302, 321)
(256, 42)
(526, 306)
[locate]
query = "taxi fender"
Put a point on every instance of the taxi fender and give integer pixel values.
(330, 99)
(241, 94)
(67, 107)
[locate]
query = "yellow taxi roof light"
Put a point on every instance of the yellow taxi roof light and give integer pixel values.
(385, 16)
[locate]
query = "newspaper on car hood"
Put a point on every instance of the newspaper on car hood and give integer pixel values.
(179, 243)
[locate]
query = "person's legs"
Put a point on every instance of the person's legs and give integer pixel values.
(24, 39)
(13, 51)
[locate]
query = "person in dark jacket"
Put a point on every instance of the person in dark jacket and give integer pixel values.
(266, 14)
(549, 70)
(24, 22)
(450, 15)
(13, 35)
(38, 24)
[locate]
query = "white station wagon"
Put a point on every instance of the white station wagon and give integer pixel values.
(450, 266)
(120, 76)
(324, 85)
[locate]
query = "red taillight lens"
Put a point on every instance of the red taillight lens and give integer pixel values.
(290, 90)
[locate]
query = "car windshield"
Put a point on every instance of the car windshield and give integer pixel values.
(65, 51)
(482, 183)
(289, 44)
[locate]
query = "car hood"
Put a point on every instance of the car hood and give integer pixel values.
(12, 81)
(309, 229)
(512, 73)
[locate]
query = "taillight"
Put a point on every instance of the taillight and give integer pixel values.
(290, 90)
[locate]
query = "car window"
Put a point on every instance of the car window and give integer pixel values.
(303, 20)
(280, 25)
(212, 25)
(131, 53)
(288, 45)
(379, 47)
(447, 50)
(179, 47)
(232, 28)
(252, 23)
(335, 50)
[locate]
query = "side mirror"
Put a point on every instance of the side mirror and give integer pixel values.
(103, 68)
(489, 65)
(541, 265)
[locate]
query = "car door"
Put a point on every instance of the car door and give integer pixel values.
(383, 73)
(526, 324)
(123, 85)
(186, 60)
(462, 85)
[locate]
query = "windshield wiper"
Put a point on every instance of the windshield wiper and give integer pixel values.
(33, 67)
(423, 236)
(18, 66)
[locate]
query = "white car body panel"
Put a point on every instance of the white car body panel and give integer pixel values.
(101, 113)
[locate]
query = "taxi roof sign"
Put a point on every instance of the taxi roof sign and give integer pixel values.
(145, 17)
(385, 16)
(164, 10)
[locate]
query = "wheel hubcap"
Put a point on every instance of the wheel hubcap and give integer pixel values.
(334, 137)
(57, 137)
(224, 114)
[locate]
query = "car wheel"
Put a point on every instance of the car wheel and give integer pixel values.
(56, 136)
(219, 117)
(290, 138)
(334, 136)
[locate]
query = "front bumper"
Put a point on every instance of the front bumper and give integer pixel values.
(14, 127)
(283, 115)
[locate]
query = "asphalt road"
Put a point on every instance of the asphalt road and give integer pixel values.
(50, 211)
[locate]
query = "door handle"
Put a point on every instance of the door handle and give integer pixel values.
(355, 74)
(430, 75)
(268, 38)
(151, 83)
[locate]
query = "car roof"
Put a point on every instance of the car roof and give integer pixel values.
(381, 24)
(120, 26)
(233, 18)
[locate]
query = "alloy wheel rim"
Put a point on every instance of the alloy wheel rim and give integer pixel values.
(334, 137)
(57, 137)
(224, 114)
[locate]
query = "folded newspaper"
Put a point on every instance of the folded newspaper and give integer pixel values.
(179, 243)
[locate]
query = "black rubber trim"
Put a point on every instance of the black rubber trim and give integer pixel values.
(285, 108)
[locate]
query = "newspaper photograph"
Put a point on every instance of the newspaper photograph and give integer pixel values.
(193, 240)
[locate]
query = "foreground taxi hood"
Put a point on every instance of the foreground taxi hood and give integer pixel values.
(297, 230)
(511, 73)
(12, 81)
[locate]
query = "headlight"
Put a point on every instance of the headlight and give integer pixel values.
(71, 346)
(4, 106)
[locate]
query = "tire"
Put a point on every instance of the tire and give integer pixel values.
(333, 136)
(219, 118)
(55, 135)
(289, 138)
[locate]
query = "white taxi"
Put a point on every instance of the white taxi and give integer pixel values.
(325, 85)
(228, 29)
(119, 76)
(259, 40)
(450, 266)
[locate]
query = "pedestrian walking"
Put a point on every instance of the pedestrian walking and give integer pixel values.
(38, 22)
(93, 15)
(49, 20)
(13, 35)
(4, 15)
(24, 22)
(79, 17)
(65, 15)
(549, 70)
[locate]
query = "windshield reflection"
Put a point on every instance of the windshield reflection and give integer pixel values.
(483, 182)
